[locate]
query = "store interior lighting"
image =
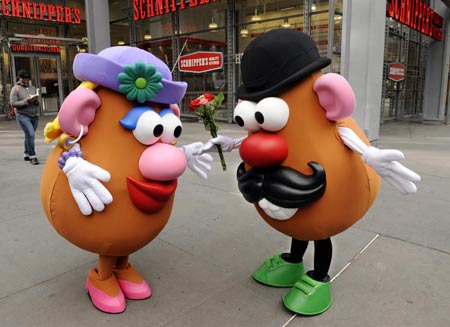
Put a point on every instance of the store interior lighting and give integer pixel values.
(41, 33)
(120, 42)
(213, 23)
(255, 17)
(286, 23)
(147, 35)
(313, 6)
(243, 32)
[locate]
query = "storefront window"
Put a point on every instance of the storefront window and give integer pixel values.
(200, 29)
(337, 37)
(204, 29)
(404, 99)
(319, 25)
(256, 17)
(44, 44)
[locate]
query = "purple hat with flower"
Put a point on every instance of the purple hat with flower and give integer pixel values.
(132, 71)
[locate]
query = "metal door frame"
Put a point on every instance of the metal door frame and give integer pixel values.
(35, 57)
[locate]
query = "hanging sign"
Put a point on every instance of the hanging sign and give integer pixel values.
(396, 71)
(199, 62)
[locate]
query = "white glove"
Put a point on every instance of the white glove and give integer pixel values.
(227, 143)
(386, 165)
(197, 161)
(85, 185)
(384, 162)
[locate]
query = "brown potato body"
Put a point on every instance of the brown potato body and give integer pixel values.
(121, 228)
(351, 185)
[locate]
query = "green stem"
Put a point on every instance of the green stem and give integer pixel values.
(213, 129)
(222, 159)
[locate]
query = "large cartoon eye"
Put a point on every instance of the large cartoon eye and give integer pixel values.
(244, 115)
(272, 114)
(172, 126)
(149, 128)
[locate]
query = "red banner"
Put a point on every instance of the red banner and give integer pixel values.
(40, 11)
(143, 9)
(199, 62)
(416, 15)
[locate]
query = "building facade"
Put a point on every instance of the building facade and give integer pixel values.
(394, 53)
(42, 37)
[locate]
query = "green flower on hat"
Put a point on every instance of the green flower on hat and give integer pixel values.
(140, 82)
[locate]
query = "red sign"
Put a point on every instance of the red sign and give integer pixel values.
(17, 47)
(40, 11)
(149, 8)
(416, 15)
(37, 45)
(396, 72)
(199, 62)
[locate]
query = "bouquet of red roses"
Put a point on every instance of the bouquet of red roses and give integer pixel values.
(205, 107)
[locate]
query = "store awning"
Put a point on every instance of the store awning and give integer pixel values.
(61, 40)
(40, 43)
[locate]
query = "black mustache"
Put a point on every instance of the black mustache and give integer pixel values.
(282, 186)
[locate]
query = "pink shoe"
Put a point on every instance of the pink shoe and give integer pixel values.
(100, 299)
(135, 291)
(133, 286)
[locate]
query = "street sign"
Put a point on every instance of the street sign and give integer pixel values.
(199, 62)
(396, 71)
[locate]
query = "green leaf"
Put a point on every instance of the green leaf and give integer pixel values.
(218, 100)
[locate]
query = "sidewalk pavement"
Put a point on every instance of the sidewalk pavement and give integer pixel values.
(391, 269)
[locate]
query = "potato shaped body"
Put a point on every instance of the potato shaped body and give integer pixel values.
(351, 185)
(120, 229)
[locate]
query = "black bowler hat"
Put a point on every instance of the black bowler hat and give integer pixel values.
(276, 60)
(23, 74)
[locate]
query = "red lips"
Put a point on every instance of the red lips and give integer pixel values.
(150, 197)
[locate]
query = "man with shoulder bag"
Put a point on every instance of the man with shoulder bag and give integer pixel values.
(25, 100)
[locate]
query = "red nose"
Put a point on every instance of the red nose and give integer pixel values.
(263, 150)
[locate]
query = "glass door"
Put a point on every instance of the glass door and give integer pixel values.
(45, 76)
(50, 83)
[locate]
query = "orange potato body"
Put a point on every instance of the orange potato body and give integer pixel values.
(351, 185)
(121, 228)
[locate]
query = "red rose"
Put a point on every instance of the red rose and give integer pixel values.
(208, 96)
(194, 104)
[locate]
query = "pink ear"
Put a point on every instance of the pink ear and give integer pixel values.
(175, 109)
(335, 96)
(77, 110)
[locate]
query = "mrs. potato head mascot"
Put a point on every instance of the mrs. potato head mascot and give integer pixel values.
(109, 186)
(308, 168)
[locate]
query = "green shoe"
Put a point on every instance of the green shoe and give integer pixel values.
(277, 272)
(308, 297)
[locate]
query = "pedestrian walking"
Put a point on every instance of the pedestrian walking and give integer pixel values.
(25, 100)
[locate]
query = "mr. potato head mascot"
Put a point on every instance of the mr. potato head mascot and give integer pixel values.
(109, 185)
(308, 168)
